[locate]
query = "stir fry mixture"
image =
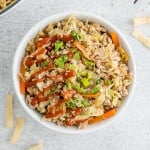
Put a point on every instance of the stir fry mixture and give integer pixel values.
(75, 73)
(5, 3)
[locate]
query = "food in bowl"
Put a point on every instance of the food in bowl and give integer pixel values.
(5, 3)
(75, 73)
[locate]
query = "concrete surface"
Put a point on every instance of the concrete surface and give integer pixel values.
(132, 130)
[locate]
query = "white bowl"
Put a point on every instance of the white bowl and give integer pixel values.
(20, 54)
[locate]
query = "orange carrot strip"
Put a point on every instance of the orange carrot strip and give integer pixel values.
(22, 83)
(22, 86)
(79, 46)
(106, 115)
(114, 37)
(91, 95)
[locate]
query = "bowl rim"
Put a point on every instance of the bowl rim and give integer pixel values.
(10, 7)
(56, 18)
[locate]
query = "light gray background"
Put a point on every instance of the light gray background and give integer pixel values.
(132, 130)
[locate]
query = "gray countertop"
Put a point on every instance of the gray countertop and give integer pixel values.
(132, 129)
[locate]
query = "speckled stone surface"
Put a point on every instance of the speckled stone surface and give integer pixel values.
(132, 129)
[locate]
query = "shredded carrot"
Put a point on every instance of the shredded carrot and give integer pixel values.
(22, 83)
(114, 37)
(22, 68)
(91, 95)
(79, 46)
(22, 86)
(106, 115)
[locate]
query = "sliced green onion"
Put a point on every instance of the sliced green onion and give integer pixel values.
(78, 88)
(108, 82)
(79, 37)
(91, 63)
(85, 103)
(95, 90)
(69, 85)
(98, 81)
(44, 64)
(88, 63)
(76, 102)
(77, 56)
(27, 69)
(60, 62)
(76, 35)
(85, 82)
(89, 75)
(58, 45)
(53, 89)
(71, 104)
(64, 57)
(71, 67)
